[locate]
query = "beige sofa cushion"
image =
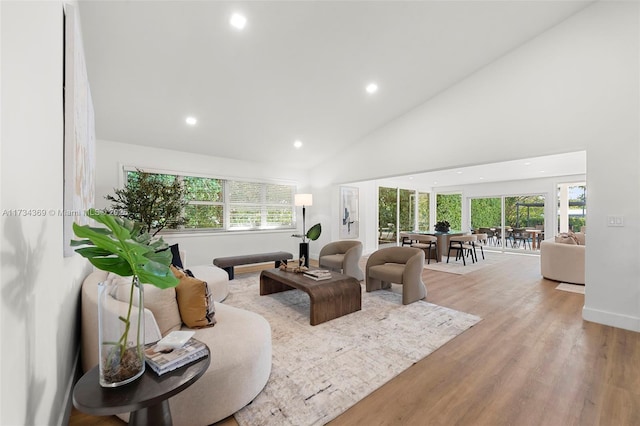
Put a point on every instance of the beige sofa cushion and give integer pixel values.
(566, 238)
(162, 303)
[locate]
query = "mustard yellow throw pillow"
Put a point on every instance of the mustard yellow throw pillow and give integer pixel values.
(195, 301)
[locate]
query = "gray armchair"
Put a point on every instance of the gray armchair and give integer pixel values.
(342, 256)
(400, 265)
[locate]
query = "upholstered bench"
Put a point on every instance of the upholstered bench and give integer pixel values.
(228, 263)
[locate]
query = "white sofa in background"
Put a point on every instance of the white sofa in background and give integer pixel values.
(562, 262)
(240, 345)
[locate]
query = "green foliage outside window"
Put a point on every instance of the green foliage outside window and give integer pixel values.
(423, 211)
(449, 208)
(524, 211)
(387, 212)
(407, 208)
(486, 212)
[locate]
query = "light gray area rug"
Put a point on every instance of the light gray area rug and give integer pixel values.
(457, 267)
(573, 288)
(320, 371)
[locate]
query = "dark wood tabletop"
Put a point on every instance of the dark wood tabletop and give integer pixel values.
(329, 299)
(146, 398)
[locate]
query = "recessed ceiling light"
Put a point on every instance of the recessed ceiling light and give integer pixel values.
(481, 178)
(371, 88)
(541, 171)
(191, 121)
(238, 21)
(528, 163)
(297, 144)
(459, 172)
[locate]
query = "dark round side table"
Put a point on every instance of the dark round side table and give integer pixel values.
(145, 398)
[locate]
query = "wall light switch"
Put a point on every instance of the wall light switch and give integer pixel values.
(615, 220)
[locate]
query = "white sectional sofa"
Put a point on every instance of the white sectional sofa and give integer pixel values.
(240, 345)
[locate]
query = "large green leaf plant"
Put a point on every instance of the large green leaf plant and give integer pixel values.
(126, 249)
(312, 234)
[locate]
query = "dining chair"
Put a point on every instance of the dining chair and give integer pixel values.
(520, 236)
(482, 239)
(464, 245)
(406, 239)
(428, 243)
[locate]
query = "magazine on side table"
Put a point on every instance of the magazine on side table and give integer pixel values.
(163, 359)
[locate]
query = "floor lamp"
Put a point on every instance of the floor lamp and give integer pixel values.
(304, 200)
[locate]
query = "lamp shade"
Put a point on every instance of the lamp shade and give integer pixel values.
(303, 199)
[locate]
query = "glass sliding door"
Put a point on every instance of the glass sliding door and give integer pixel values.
(449, 208)
(486, 218)
(423, 211)
(387, 214)
(524, 222)
(396, 213)
(407, 199)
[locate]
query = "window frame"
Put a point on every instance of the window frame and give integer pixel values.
(225, 203)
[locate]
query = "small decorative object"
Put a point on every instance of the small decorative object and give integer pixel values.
(442, 226)
(293, 267)
(123, 248)
(312, 234)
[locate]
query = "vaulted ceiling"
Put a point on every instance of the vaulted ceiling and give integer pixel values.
(297, 71)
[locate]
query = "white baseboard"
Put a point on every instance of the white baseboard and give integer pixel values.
(612, 319)
(65, 414)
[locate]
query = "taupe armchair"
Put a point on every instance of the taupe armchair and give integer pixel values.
(342, 256)
(400, 265)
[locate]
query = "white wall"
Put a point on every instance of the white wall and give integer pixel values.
(202, 248)
(573, 88)
(40, 288)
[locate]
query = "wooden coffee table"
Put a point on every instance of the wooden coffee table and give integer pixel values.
(332, 298)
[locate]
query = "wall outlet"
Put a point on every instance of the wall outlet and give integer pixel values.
(615, 220)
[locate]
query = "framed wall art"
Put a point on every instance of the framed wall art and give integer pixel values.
(79, 133)
(349, 220)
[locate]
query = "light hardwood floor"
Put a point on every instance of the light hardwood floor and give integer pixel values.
(532, 360)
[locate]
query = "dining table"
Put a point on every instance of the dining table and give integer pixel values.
(443, 240)
(535, 233)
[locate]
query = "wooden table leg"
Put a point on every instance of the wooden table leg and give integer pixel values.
(154, 415)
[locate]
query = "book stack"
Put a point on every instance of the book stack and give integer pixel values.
(163, 359)
(318, 274)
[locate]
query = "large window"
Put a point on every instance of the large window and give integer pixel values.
(423, 211)
(573, 215)
(398, 209)
(387, 214)
(407, 209)
(232, 205)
